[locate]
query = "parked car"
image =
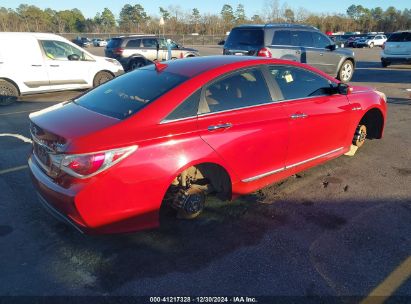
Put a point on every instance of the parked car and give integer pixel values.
(370, 41)
(165, 136)
(99, 42)
(295, 42)
(339, 40)
(397, 49)
(53, 64)
(83, 42)
(140, 50)
(353, 40)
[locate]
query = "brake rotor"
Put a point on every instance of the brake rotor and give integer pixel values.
(360, 135)
(190, 203)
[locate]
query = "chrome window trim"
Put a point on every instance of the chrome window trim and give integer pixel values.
(257, 177)
(165, 121)
(247, 107)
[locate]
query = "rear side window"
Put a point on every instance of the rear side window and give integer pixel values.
(188, 108)
(282, 38)
(302, 38)
(243, 38)
(114, 43)
(239, 90)
(294, 38)
(135, 43)
(126, 95)
(296, 83)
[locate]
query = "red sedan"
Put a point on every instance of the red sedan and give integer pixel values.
(168, 135)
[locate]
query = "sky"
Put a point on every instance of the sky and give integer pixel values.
(91, 7)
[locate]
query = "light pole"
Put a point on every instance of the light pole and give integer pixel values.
(162, 23)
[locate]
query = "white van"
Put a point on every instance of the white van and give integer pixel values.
(38, 62)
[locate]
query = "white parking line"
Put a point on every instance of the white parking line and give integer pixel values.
(19, 112)
(13, 169)
(18, 136)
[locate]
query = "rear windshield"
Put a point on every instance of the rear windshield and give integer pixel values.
(114, 43)
(400, 37)
(243, 38)
(126, 95)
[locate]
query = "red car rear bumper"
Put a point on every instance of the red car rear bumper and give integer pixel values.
(61, 203)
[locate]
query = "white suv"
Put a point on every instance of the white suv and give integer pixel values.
(377, 40)
(36, 62)
(397, 49)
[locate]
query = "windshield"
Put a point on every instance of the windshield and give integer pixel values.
(126, 95)
(114, 42)
(243, 38)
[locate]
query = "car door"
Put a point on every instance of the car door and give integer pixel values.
(64, 72)
(30, 70)
(284, 45)
(149, 49)
(240, 120)
(318, 53)
(318, 121)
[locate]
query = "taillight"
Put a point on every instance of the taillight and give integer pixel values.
(264, 52)
(118, 51)
(90, 164)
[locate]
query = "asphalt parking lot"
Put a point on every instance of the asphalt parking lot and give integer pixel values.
(339, 229)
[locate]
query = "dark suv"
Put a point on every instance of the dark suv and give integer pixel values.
(83, 42)
(295, 42)
(139, 50)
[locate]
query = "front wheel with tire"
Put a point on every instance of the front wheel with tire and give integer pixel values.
(102, 77)
(8, 93)
(346, 71)
(384, 63)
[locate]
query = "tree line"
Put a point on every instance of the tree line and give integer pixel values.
(134, 19)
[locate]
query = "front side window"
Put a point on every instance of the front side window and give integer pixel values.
(241, 89)
(126, 95)
(320, 41)
(150, 43)
(58, 50)
(296, 83)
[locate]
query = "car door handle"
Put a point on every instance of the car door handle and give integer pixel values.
(36, 65)
(54, 65)
(298, 115)
(221, 126)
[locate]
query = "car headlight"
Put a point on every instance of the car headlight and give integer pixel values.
(114, 61)
(382, 95)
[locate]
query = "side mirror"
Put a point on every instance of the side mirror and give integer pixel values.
(73, 57)
(343, 89)
(331, 47)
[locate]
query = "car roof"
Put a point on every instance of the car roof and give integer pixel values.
(40, 36)
(193, 66)
(278, 25)
(137, 36)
